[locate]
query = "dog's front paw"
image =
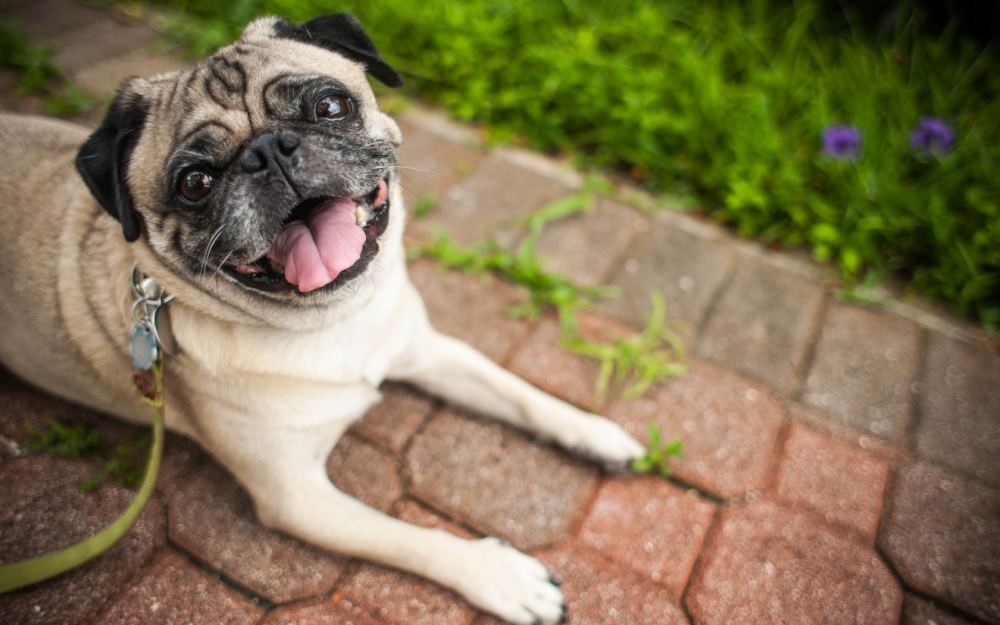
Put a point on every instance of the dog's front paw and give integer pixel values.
(510, 584)
(607, 442)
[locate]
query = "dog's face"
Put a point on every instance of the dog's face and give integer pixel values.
(262, 174)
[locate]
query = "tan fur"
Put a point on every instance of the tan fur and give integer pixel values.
(266, 383)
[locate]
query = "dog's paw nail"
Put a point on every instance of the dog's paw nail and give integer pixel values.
(512, 585)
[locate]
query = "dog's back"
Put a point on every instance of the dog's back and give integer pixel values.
(40, 204)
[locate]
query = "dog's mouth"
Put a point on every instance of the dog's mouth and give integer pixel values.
(324, 243)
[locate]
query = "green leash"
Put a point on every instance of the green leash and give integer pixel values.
(149, 381)
(25, 572)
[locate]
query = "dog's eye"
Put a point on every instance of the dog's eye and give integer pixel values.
(333, 107)
(195, 185)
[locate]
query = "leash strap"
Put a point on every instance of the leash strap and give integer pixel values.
(25, 572)
(149, 381)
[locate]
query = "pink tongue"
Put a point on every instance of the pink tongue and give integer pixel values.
(314, 252)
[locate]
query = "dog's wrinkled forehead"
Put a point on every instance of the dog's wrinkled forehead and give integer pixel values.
(252, 86)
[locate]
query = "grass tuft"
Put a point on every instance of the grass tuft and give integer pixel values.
(654, 355)
(658, 455)
(125, 463)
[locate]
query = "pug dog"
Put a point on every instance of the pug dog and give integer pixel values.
(259, 189)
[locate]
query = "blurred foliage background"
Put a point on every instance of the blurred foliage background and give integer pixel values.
(726, 102)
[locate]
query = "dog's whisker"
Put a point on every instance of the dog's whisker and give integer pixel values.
(222, 264)
(411, 190)
(208, 250)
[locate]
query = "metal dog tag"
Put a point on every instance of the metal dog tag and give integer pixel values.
(149, 298)
(143, 347)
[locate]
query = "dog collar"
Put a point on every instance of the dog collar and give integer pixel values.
(146, 344)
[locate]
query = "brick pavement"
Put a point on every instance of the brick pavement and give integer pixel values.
(842, 464)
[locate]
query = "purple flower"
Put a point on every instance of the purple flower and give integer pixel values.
(842, 142)
(932, 137)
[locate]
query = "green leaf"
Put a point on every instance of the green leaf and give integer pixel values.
(656, 454)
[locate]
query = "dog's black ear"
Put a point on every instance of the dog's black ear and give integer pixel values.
(342, 33)
(102, 160)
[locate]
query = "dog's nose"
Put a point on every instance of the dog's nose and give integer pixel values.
(270, 150)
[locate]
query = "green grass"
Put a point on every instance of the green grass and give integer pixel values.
(654, 355)
(723, 100)
(658, 454)
(124, 463)
(38, 75)
(522, 267)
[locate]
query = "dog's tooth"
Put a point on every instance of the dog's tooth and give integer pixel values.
(276, 267)
(362, 216)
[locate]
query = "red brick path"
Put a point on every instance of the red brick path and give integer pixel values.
(842, 464)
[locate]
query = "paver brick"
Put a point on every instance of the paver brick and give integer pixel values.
(213, 519)
(102, 79)
(47, 19)
(599, 592)
(768, 564)
(393, 421)
(762, 324)
(172, 590)
(181, 456)
(100, 40)
(430, 162)
(30, 104)
(541, 360)
(365, 473)
(497, 481)
(843, 484)
(26, 407)
(399, 598)
(858, 439)
(486, 202)
(472, 308)
(942, 534)
(44, 511)
(687, 269)
(412, 512)
(917, 611)
(648, 525)
(323, 611)
(865, 366)
(584, 246)
(728, 424)
(960, 408)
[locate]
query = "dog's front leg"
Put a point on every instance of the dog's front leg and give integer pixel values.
(458, 373)
(283, 468)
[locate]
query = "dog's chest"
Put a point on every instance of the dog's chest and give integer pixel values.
(358, 349)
